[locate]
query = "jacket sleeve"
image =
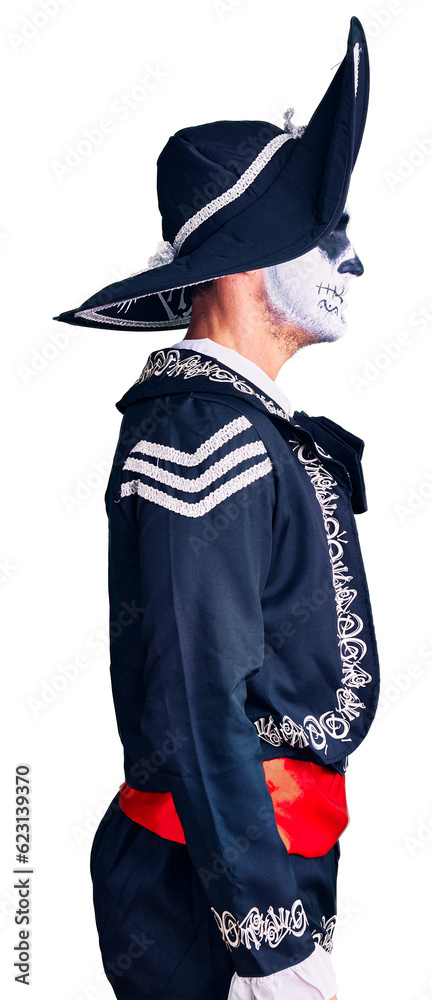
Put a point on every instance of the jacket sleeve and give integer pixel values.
(202, 491)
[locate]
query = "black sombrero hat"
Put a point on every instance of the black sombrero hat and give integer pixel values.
(240, 195)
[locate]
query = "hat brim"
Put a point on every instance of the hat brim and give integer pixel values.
(306, 198)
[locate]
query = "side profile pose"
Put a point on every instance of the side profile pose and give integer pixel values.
(244, 666)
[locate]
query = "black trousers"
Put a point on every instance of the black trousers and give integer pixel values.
(157, 935)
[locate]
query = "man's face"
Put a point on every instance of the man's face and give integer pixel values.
(311, 289)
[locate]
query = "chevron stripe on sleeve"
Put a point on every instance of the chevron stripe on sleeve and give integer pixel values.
(193, 482)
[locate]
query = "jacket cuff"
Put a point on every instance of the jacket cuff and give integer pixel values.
(315, 971)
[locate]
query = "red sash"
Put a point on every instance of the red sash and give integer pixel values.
(309, 803)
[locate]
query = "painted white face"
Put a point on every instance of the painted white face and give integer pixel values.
(311, 289)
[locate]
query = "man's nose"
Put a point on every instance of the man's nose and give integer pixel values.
(353, 265)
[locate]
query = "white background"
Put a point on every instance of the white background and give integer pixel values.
(65, 237)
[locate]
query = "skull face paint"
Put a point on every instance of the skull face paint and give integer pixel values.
(311, 289)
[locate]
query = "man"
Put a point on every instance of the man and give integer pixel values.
(268, 314)
(244, 666)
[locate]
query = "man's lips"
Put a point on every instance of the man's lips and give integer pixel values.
(332, 297)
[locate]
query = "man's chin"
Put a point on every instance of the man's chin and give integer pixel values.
(331, 333)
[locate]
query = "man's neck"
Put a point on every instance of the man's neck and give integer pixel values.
(238, 315)
(252, 349)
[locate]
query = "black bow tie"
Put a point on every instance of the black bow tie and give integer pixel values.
(344, 448)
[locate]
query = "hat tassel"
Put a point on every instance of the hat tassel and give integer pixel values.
(295, 131)
(165, 253)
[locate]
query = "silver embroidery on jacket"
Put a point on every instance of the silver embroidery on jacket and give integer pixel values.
(199, 507)
(325, 937)
(190, 458)
(169, 363)
(256, 928)
(336, 722)
(193, 459)
(206, 478)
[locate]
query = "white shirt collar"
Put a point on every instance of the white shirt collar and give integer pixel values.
(240, 364)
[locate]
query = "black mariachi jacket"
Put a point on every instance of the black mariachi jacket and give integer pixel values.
(240, 624)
